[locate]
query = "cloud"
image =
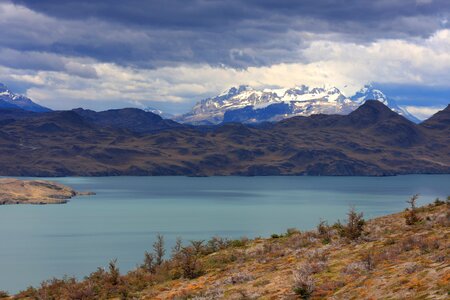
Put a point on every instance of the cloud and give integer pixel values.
(173, 53)
(235, 33)
(29, 60)
(423, 112)
(343, 64)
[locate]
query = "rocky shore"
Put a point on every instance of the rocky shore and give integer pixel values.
(16, 191)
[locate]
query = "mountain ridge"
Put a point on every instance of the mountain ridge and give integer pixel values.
(247, 105)
(371, 141)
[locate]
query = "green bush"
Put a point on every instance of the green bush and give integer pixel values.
(354, 227)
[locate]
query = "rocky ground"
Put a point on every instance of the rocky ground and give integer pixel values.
(399, 256)
(15, 191)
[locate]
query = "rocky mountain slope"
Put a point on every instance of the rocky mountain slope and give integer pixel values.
(10, 100)
(384, 258)
(246, 105)
(372, 140)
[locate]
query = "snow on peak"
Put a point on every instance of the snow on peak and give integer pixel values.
(300, 100)
(368, 92)
(19, 101)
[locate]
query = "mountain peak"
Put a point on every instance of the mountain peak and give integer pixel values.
(235, 90)
(440, 120)
(370, 112)
(369, 92)
(8, 98)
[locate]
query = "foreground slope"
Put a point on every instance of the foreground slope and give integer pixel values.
(372, 140)
(388, 259)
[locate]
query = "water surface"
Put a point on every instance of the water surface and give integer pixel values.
(39, 242)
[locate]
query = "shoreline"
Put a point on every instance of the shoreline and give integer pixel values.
(36, 192)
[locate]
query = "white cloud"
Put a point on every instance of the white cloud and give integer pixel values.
(343, 64)
(423, 112)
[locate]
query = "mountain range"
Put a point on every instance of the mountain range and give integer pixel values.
(10, 100)
(371, 140)
(247, 105)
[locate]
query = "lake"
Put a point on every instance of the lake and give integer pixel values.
(121, 221)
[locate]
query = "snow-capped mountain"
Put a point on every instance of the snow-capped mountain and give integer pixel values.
(368, 92)
(10, 100)
(159, 112)
(245, 104)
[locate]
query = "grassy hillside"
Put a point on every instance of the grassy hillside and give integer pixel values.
(399, 256)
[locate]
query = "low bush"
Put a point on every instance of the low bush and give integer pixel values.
(303, 282)
(3, 294)
(411, 216)
(239, 277)
(324, 231)
(189, 263)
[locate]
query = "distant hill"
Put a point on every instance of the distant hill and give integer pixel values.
(372, 140)
(10, 100)
(247, 105)
(133, 119)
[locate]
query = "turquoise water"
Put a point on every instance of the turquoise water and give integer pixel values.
(121, 221)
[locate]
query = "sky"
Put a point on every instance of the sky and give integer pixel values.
(169, 54)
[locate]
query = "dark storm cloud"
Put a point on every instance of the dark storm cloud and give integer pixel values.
(235, 33)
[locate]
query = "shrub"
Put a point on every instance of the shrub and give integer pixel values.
(214, 292)
(189, 263)
(216, 243)
(149, 262)
(316, 255)
(438, 202)
(239, 242)
(197, 246)
(3, 294)
(369, 260)
(114, 274)
(324, 231)
(411, 216)
(177, 247)
(354, 227)
(304, 283)
(292, 231)
(239, 277)
(158, 248)
(354, 268)
(411, 267)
